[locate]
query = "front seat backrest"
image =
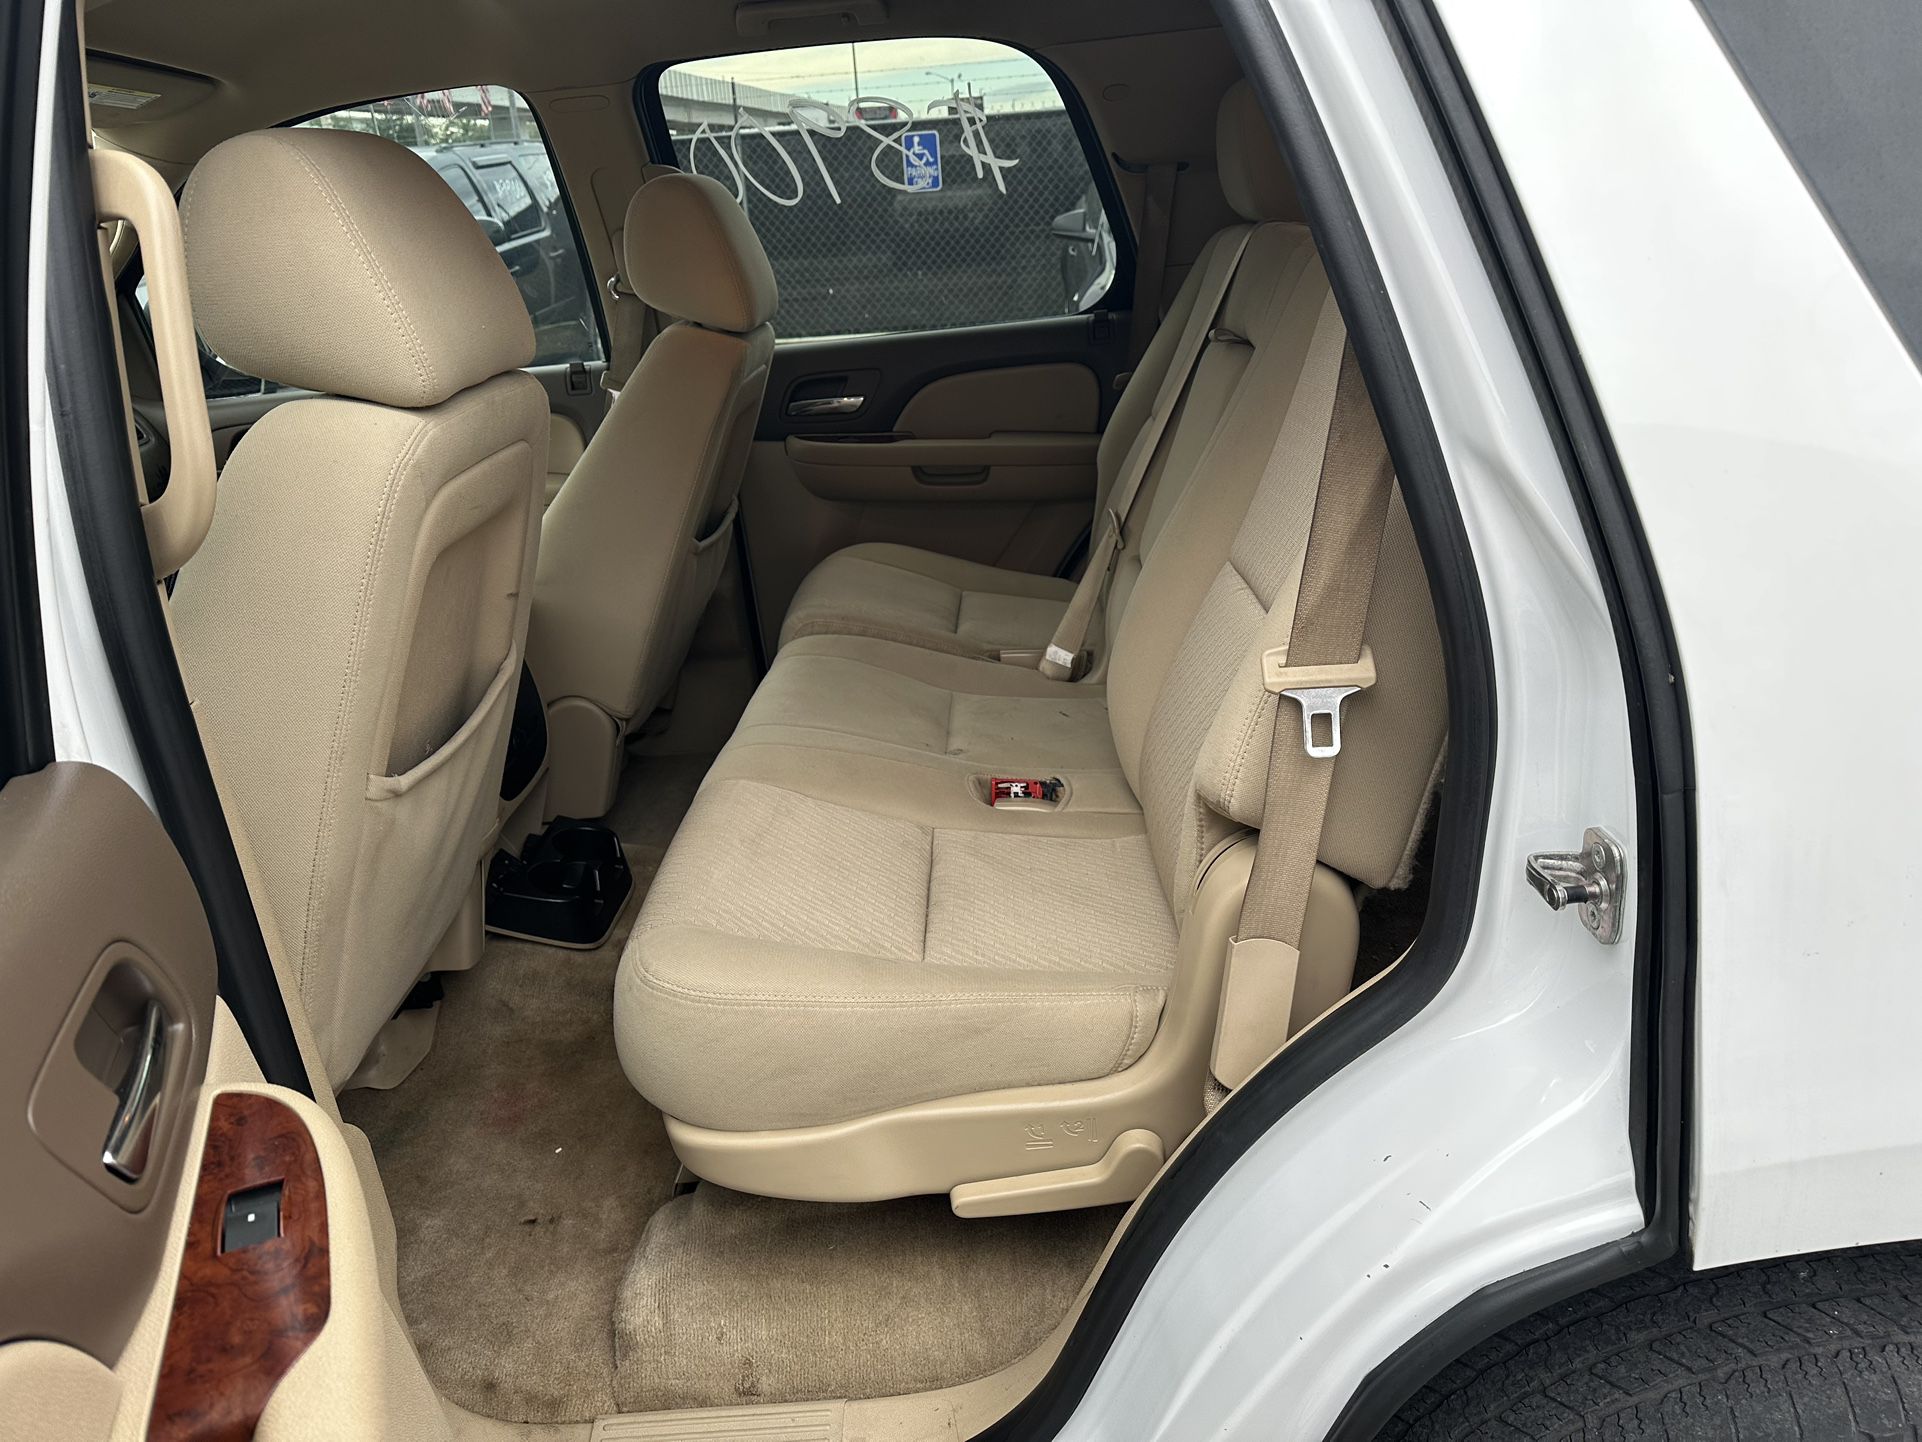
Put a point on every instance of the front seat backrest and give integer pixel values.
(352, 630)
(634, 543)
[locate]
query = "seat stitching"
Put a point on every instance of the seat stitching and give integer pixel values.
(832, 731)
(1136, 1015)
(927, 896)
(424, 372)
(736, 272)
(349, 681)
(904, 570)
(671, 575)
(760, 1000)
(1071, 690)
(839, 624)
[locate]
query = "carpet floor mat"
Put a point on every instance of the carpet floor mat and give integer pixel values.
(736, 1299)
(520, 1162)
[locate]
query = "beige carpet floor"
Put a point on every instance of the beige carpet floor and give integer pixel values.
(521, 1164)
(734, 1299)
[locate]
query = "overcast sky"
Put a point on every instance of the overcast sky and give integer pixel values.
(897, 69)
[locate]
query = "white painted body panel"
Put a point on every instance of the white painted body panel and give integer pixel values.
(1769, 423)
(1490, 1134)
(89, 723)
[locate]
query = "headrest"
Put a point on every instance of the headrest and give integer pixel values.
(691, 253)
(339, 262)
(1254, 177)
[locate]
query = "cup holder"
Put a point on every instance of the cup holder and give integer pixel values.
(565, 888)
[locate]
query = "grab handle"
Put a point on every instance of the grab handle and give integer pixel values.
(127, 188)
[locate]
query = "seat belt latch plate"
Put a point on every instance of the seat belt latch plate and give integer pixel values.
(1319, 691)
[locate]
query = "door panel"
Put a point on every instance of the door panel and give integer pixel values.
(158, 1307)
(978, 443)
(895, 369)
(1015, 466)
(108, 970)
(1063, 396)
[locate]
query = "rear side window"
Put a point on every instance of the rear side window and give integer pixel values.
(899, 185)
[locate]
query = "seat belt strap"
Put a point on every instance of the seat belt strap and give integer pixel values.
(1063, 656)
(1151, 256)
(1324, 663)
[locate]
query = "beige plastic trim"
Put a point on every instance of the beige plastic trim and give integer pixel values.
(50, 1392)
(1277, 675)
(526, 814)
(1257, 1001)
(1019, 1132)
(127, 188)
(397, 1049)
(459, 948)
(1121, 1175)
(798, 1422)
(584, 756)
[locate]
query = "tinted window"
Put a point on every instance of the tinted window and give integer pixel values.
(458, 181)
(1839, 82)
(899, 185)
(513, 201)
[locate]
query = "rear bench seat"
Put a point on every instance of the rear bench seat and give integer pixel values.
(853, 978)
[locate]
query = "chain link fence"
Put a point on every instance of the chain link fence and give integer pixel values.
(856, 255)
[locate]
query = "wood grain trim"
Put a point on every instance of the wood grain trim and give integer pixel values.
(241, 1319)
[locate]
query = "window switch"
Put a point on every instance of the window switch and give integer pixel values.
(251, 1217)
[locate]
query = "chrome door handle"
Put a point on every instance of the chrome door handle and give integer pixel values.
(129, 1144)
(827, 406)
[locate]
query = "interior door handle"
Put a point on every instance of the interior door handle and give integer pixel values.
(129, 1144)
(827, 406)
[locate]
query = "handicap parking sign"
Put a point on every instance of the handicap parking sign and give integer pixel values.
(921, 159)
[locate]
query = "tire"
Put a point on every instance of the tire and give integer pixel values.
(1805, 1349)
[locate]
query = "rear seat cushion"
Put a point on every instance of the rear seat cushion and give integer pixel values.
(855, 693)
(900, 593)
(823, 961)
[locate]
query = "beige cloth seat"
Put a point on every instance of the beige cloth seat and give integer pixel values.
(888, 695)
(843, 928)
(352, 630)
(944, 603)
(633, 545)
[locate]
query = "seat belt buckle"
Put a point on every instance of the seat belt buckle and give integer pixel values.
(1011, 790)
(1074, 663)
(1319, 691)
